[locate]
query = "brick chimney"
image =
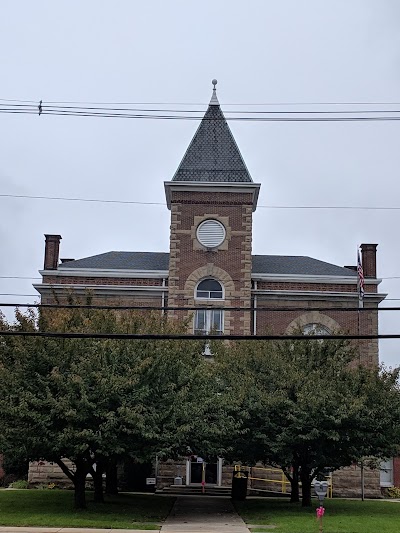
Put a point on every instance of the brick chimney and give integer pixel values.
(368, 254)
(51, 252)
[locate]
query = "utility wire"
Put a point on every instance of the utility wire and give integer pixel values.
(138, 202)
(192, 308)
(147, 336)
(28, 277)
(110, 113)
(71, 102)
(71, 108)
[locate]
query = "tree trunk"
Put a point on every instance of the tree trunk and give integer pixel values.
(98, 480)
(98, 487)
(78, 478)
(80, 494)
(305, 476)
(294, 484)
(111, 478)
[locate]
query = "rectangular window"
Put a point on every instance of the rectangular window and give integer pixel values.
(209, 321)
(387, 473)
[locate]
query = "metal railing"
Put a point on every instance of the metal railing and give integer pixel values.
(277, 477)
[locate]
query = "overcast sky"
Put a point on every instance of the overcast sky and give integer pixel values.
(261, 52)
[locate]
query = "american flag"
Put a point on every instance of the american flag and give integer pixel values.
(360, 274)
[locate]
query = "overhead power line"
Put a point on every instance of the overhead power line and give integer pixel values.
(193, 308)
(204, 104)
(147, 336)
(43, 108)
(33, 277)
(72, 108)
(138, 202)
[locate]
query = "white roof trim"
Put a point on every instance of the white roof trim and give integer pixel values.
(311, 278)
(44, 287)
(319, 294)
(239, 187)
(104, 273)
(162, 274)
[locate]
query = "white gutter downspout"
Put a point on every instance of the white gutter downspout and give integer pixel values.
(163, 297)
(255, 310)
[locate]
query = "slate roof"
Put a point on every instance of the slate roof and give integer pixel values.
(213, 155)
(262, 264)
(293, 264)
(122, 260)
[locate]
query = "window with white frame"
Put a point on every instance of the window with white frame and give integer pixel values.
(209, 288)
(209, 320)
(386, 473)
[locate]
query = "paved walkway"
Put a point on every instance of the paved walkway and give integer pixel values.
(203, 514)
(190, 514)
(22, 529)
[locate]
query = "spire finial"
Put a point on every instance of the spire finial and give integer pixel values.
(214, 99)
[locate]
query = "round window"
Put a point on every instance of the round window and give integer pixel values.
(211, 233)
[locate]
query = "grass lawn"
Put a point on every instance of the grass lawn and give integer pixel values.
(55, 508)
(341, 516)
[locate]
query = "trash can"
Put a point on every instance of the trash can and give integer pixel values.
(239, 485)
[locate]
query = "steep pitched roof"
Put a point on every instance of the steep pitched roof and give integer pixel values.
(213, 155)
(262, 264)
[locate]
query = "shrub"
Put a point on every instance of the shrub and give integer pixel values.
(46, 486)
(393, 492)
(20, 484)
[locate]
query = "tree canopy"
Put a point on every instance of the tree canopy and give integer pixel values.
(308, 408)
(93, 400)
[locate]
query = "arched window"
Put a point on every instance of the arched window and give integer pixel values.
(315, 329)
(209, 320)
(209, 288)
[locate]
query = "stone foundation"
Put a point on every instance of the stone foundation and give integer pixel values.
(43, 472)
(168, 471)
(347, 483)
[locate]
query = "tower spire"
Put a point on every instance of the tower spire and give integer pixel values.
(214, 99)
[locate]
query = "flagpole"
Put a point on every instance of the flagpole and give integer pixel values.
(360, 291)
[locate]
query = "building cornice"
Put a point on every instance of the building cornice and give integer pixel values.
(104, 273)
(163, 274)
(213, 187)
(306, 278)
(111, 289)
(318, 295)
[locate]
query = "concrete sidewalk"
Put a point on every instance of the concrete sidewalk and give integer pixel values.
(22, 529)
(203, 514)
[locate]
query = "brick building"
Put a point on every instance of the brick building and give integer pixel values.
(210, 265)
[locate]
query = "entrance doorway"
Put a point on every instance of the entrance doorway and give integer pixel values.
(198, 470)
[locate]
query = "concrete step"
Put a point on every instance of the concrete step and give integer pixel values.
(210, 490)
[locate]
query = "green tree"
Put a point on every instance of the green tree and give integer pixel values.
(93, 401)
(306, 408)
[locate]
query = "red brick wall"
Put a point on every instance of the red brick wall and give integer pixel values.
(325, 287)
(80, 280)
(51, 252)
(236, 208)
(352, 322)
(396, 471)
(369, 260)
